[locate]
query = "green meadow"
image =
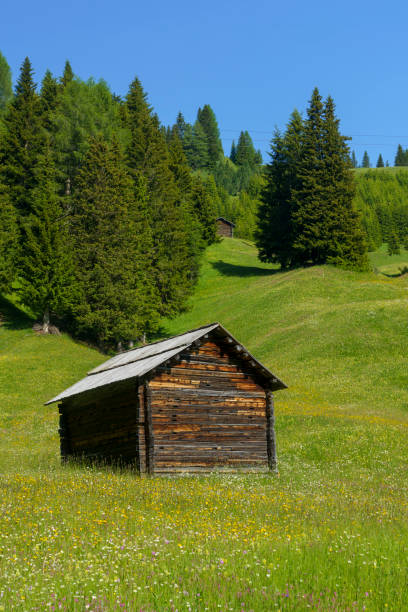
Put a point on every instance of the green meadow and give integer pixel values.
(329, 532)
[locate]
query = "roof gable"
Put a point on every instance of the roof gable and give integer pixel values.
(138, 362)
(225, 221)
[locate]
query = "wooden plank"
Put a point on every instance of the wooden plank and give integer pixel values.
(270, 432)
(149, 429)
(137, 427)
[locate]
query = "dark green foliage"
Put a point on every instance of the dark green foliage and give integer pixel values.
(233, 154)
(326, 227)
(274, 237)
(8, 241)
(381, 198)
(175, 231)
(245, 152)
(206, 118)
(118, 301)
(23, 140)
(49, 100)
(393, 246)
(84, 110)
(6, 90)
(205, 210)
(46, 264)
(307, 216)
(401, 157)
(354, 162)
(67, 75)
(180, 126)
(380, 162)
(366, 161)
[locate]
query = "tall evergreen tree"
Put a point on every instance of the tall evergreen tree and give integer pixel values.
(307, 216)
(206, 117)
(204, 209)
(246, 154)
(67, 75)
(274, 236)
(180, 125)
(380, 162)
(6, 89)
(110, 227)
(49, 100)
(233, 153)
(23, 141)
(46, 267)
(354, 162)
(175, 256)
(401, 157)
(366, 161)
(8, 241)
(198, 151)
(393, 246)
(325, 225)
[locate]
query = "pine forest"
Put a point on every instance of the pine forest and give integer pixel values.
(105, 212)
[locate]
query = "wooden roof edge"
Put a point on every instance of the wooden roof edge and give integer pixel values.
(226, 221)
(216, 328)
(257, 365)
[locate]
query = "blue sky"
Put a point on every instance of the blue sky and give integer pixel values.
(253, 62)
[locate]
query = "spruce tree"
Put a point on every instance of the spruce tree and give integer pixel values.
(366, 161)
(233, 153)
(274, 236)
(67, 75)
(180, 125)
(8, 241)
(6, 90)
(393, 246)
(23, 141)
(175, 256)
(400, 157)
(380, 162)
(354, 162)
(118, 301)
(199, 148)
(206, 117)
(204, 209)
(326, 228)
(246, 154)
(46, 267)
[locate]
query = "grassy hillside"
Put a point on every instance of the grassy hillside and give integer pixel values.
(330, 533)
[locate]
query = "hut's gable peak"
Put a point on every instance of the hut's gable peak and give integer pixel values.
(139, 362)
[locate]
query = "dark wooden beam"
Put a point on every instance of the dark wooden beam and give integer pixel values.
(270, 432)
(149, 429)
(137, 418)
(65, 446)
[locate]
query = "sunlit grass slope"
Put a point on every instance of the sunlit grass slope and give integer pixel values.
(329, 533)
(338, 339)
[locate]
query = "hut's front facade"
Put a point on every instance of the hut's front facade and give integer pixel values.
(225, 228)
(193, 402)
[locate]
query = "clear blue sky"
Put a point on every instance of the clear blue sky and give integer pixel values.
(252, 61)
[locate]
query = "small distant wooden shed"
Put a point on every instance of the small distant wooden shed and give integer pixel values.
(193, 402)
(225, 228)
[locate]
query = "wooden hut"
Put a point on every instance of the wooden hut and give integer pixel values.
(192, 402)
(225, 228)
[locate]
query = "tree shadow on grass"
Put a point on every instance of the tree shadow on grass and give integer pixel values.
(227, 269)
(12, 317)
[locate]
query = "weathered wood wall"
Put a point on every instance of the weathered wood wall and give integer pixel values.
(106, 425)
(208, 411)
(224, 229)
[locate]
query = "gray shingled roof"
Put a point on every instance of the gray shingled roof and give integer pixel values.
(138, 362)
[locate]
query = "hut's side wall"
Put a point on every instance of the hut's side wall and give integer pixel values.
(224, 229)
(207, 412)
(105, 426)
